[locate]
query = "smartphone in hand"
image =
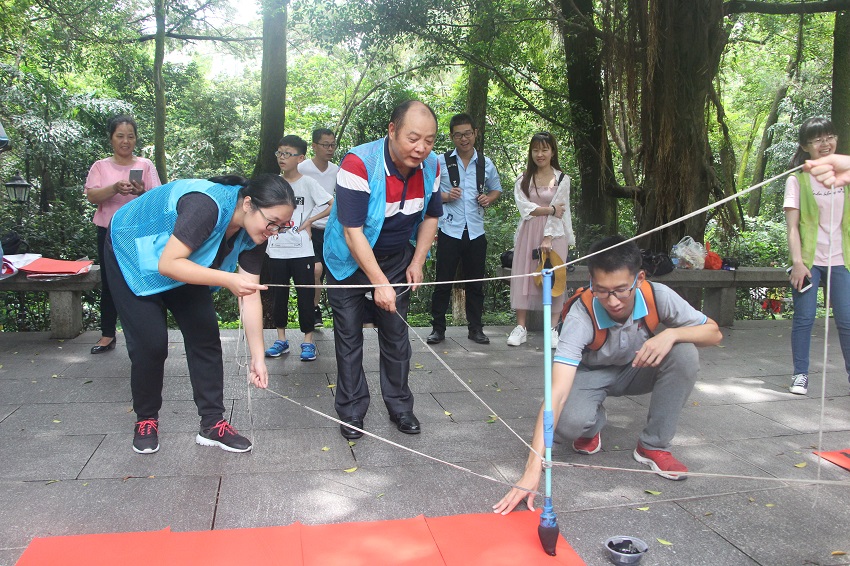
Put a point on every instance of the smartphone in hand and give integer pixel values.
(807, 282)
(136, 175)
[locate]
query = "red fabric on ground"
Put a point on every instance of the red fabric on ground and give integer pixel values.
(838, 457)
(459, 540)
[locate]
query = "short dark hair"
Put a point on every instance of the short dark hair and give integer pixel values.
(400, 112)
(294, 141)
(460, 120)
(319, 132)
(122, 119)
(623, 256)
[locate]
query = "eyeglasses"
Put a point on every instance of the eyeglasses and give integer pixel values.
(616, 293)
(823, 140)
(468, 134)
(327, 145)
(285, 154)
(276, 228)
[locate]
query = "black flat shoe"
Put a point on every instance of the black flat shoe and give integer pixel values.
(406, 422)
(350, 433)
(478, 336)
(435, 337)
(98, 349)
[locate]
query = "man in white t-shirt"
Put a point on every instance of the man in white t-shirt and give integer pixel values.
(291, 252)
(324, 172)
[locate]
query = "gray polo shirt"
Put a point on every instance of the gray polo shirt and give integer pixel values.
(624, 339)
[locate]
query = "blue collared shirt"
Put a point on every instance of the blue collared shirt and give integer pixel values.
(465, 212)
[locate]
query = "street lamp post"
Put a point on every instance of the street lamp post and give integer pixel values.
(18, 191)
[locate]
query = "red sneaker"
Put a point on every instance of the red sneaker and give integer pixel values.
(588, 445)
(662, 462)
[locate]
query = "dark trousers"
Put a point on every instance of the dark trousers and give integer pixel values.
(472, 255)
(145, 330)
(300, 271)
(352, 392)
(108, 312)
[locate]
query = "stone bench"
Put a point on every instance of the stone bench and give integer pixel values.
(64, 296)
(717, 297)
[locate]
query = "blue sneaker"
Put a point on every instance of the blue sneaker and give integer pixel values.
(279, 347)
(308, 352)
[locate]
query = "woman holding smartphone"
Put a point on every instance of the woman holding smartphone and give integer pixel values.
(542, 195)
(808, 205)
(111, 183)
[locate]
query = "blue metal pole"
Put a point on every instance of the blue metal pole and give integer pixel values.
(548, 528)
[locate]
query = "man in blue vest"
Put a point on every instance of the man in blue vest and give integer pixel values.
(469, 183)
(387, 196)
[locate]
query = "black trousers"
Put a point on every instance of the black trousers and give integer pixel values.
(349, 305)
(472, 255)
(108, 312)
(300, 271)
(146, 332)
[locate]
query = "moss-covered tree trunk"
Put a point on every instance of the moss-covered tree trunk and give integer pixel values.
(159, 91)
(596, 207)
(684, 40)
(841, 80)
(272, 85)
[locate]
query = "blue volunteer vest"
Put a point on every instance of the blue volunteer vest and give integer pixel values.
(338, 257)
(141, 228)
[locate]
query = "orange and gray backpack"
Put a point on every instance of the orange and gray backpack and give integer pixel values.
(585, 296)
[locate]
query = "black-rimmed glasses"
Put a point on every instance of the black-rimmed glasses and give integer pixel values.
(619, 294)
(327, 145)
(276, 228)
(285, 154)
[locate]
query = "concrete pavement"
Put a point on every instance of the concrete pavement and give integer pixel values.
(66, 464)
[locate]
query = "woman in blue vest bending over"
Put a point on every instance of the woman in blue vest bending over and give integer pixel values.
(168, 250)
(807, 212)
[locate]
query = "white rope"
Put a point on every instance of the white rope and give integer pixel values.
(817, 481)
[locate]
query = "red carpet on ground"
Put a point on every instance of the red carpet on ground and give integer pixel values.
(461, 540)
(837, 457)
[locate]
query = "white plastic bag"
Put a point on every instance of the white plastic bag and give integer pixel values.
(688, 254)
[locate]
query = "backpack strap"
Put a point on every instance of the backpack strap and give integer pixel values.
(479, 173)
(451, 169)
(584, 294)
(651, 318)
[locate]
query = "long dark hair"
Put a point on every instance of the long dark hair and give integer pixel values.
(265, 190)
(544, 139)
(809, 130)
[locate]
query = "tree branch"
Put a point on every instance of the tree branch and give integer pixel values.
(756, 7)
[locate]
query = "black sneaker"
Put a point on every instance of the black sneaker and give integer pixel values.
(223, 435)
(146, 437)
(318, 323)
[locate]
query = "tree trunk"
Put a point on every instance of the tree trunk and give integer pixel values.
(684, 41)
(476, 101)
(159, 91)
(841, 81)
(272, 85)
(596, 208)
(754, 204)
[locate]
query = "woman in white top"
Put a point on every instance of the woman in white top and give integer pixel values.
(542, 195)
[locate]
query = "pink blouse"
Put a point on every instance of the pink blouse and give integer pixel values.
(106, 172)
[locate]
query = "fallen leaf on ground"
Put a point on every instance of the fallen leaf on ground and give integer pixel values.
(325, 448)
(332, 385)
(447, 413)
(86, 382)
(664, 542)
(651, 492)
(56, 421)
(380, 495)
(800, 465)
(643, 508)
(770, 505)
(418, 366)
(349, 470)
(351, 443)
(837, 553)
(48, 482)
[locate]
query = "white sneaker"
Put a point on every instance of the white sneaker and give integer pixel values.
(800, 384)
(519, 335)
(555, 338)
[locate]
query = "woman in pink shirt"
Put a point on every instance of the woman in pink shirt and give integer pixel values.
(113, 182)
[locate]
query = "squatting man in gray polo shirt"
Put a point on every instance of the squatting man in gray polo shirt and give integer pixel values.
(631, 361)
